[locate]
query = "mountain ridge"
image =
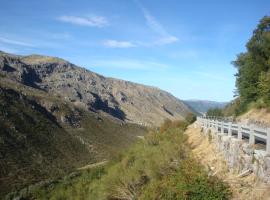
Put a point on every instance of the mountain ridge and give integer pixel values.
(83, 117)
(202, 106)
(132, 102)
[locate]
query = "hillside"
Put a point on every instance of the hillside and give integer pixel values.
(56, 117)
(43, 137)
(202, 106)
(159, 166)
(124, 100)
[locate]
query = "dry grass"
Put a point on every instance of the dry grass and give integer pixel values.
(91, 166)
(256, 115)
(246, 188)
(38, 59)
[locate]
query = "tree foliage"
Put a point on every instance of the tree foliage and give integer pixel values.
(253, 76)
(214, 112)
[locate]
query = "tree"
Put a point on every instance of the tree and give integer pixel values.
(264, 86)
(252, 78)
(214, 112)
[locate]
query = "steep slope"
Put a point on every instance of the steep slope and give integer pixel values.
(55, 117)
(202, 106)
(122, 99)
(33, 144)
(43, 137)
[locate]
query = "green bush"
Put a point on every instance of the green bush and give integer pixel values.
(160, 166)
(168, 124)
(190, 118)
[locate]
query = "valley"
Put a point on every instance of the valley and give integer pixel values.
(51, 125)
(134, 100)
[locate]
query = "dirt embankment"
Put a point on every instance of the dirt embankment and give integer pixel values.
(243, 188)
(260, 117)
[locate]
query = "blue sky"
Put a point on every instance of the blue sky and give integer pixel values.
(184, 47)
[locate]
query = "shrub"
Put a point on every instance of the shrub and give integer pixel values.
(209, 136)
(168, 124)
(159, 167)
(190, 118)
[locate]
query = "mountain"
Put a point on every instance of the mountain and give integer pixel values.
(202, 106)
(56, 117)
(124, 100)
(43, 137)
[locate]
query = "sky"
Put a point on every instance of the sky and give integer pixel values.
(182, 46)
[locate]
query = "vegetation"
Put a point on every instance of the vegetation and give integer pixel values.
(231, 108)
(39, 144)
(71, 186)
(160, 166)
(214, 112)
(190, 118)
(253, 76)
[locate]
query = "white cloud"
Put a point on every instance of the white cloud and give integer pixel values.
(118, 44)
(129, 64)
(166, 40)
(153, 24)
(15, 42)
(94, 21)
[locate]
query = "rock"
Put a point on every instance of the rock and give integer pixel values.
(121, 99)
(244, 173)
(242, 157)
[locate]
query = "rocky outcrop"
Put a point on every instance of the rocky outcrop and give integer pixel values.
(124, 100)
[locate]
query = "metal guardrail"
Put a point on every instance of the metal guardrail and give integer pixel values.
(254, 133)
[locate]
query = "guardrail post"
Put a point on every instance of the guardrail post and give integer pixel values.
(268, 141)
(239, 132)
(204, 125)
(202, 122)
(251, 135)
(222, 128)
(230, 129)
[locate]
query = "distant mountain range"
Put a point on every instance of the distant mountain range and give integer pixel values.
(202, 106)
(56, 116)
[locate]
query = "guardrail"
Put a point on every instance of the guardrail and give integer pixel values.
(238, 130)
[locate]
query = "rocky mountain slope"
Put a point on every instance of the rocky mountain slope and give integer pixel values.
(43, 137)
(202, 106)
(55, 117)
(124, 100)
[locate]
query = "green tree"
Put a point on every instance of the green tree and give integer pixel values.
(214, 112)
(264, 87)
(252, 81)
